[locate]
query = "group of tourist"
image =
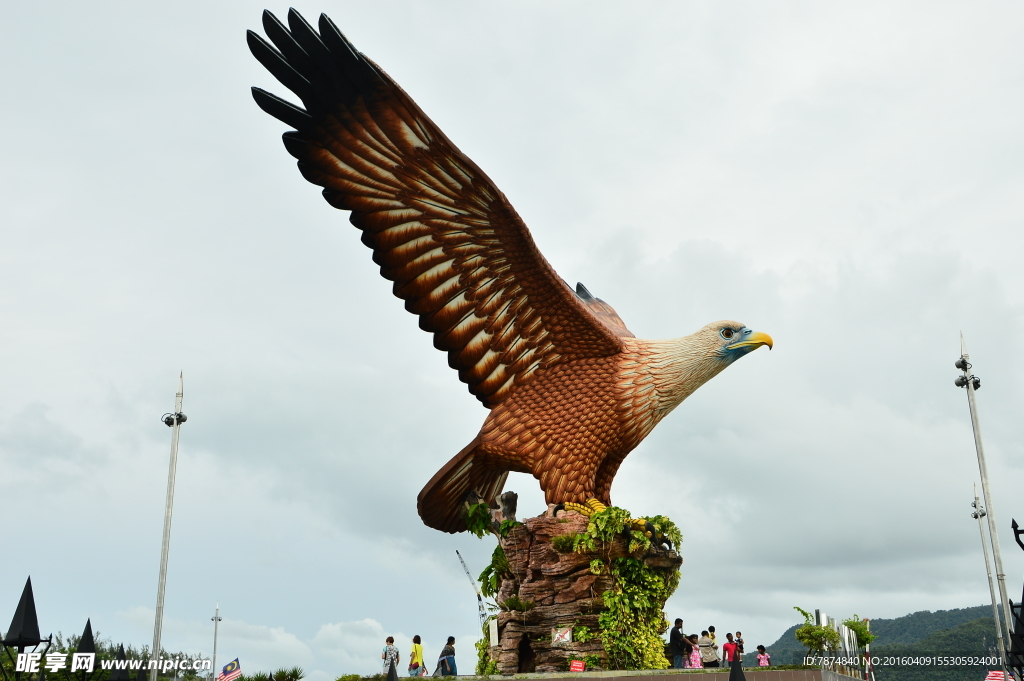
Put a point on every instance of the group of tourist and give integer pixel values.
(693, 652)
(688, 652)
(445, 663)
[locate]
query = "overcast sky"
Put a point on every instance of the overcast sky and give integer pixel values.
(846, 177)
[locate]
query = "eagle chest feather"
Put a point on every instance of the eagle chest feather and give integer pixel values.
(574, 423)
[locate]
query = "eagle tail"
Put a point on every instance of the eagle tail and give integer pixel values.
(440, 501)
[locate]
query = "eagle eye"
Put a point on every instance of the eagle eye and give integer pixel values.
(727, 333)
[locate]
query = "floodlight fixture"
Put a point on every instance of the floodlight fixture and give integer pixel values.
(171, 419)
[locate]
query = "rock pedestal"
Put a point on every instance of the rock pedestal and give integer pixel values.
(545, 589)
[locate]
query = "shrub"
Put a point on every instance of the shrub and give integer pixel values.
(818, 638)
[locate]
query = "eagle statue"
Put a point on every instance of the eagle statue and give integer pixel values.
(569, 389)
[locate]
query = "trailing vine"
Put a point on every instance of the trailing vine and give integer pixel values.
(632, 625)
(633, 621)
(485, 666)
(492, 576)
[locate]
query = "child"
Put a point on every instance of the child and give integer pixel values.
(763, 658)
(695, 661)
(739, 643)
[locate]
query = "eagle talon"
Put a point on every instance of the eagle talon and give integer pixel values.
(582, 509)
(647, 529)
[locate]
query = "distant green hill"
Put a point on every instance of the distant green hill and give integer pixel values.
(918, 625)
(900, 630)
(976, 638)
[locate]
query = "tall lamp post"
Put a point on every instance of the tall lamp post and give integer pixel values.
(173, 421)
(973, 383)
(216, 620)
(978, 514)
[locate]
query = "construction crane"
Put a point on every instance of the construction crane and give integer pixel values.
(482, 612)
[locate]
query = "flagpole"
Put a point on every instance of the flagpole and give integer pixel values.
(174, 421)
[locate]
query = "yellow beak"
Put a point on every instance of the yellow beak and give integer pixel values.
(755, 339)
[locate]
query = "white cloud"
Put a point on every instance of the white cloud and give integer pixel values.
(349, 644)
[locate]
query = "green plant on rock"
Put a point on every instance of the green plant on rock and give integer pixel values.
(582, 634)
(564, 543)
(819, 639)
(507, 526)
(666, 528)
(478, 519)
(513, 602)
(492, 576)
(603, 528)
(589, 660)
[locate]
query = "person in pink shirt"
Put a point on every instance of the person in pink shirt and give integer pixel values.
(695, 661)
(763, 658)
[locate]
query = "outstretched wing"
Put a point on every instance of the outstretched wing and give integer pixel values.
(458, 254)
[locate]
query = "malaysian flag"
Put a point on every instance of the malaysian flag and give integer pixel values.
(232, 670)
(997, 676)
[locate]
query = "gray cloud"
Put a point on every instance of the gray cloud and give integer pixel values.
(844, 178)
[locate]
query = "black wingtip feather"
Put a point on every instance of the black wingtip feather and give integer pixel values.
(286, 112)
(353, 63)
(309, 39)
(335, 40)
(289, 47)
(278, 66)
(299, 145)
(271, 22)
(582, 291)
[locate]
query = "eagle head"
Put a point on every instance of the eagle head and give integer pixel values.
(729, 340)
